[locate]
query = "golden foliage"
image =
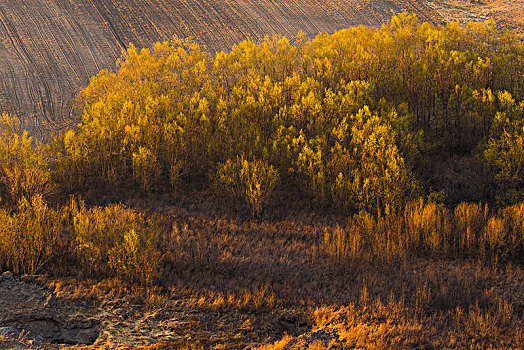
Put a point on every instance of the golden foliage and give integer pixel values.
(340, 117)
(427, 228)
(146, 168)
(252, 181)
(117, 240)
(23, 164)
(31, 236)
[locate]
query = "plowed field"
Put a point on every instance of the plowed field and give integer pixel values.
(50, 48)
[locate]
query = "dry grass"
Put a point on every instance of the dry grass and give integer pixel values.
(296, 277)
(427, 229)
(507, 13)
(232, 281)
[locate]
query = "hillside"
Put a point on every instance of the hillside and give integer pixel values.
(359, 190)
(50, 49)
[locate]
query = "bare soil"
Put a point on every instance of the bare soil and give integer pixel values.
(31, 315)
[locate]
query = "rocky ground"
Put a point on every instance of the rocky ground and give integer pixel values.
(31, 315)
(37, 313)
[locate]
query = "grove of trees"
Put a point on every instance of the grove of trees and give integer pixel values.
(354, 118)
(367, 120)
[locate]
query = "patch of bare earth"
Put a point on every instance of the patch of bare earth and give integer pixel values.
(31, 315)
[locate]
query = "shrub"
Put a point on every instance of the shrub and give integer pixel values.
(507, 156)
(115, 239)
(23, 164)
(381, 178)
(470, 220)
(31, 236)
(146, 168)
(513, 221)
(311, 166)
(505, 150)
(252, 181)
(368, 171)
(494, 236)
(175, 172)
(427, 226)
(342, 245)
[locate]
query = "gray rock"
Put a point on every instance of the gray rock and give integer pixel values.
(79, 336)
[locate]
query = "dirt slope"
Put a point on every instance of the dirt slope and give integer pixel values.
(50, 48)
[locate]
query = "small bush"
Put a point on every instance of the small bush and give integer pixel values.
(146, 168)
(484, 325)
(115, 239)
(427, 226)
(23, 164)
(513, 218)
(368, 169)
(342, 245)
(175, 172)
(504, 151)
(470, 220)
(30, 236)
(252, 181)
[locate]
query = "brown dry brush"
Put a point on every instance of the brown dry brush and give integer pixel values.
(424, 229)
(403, 305)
